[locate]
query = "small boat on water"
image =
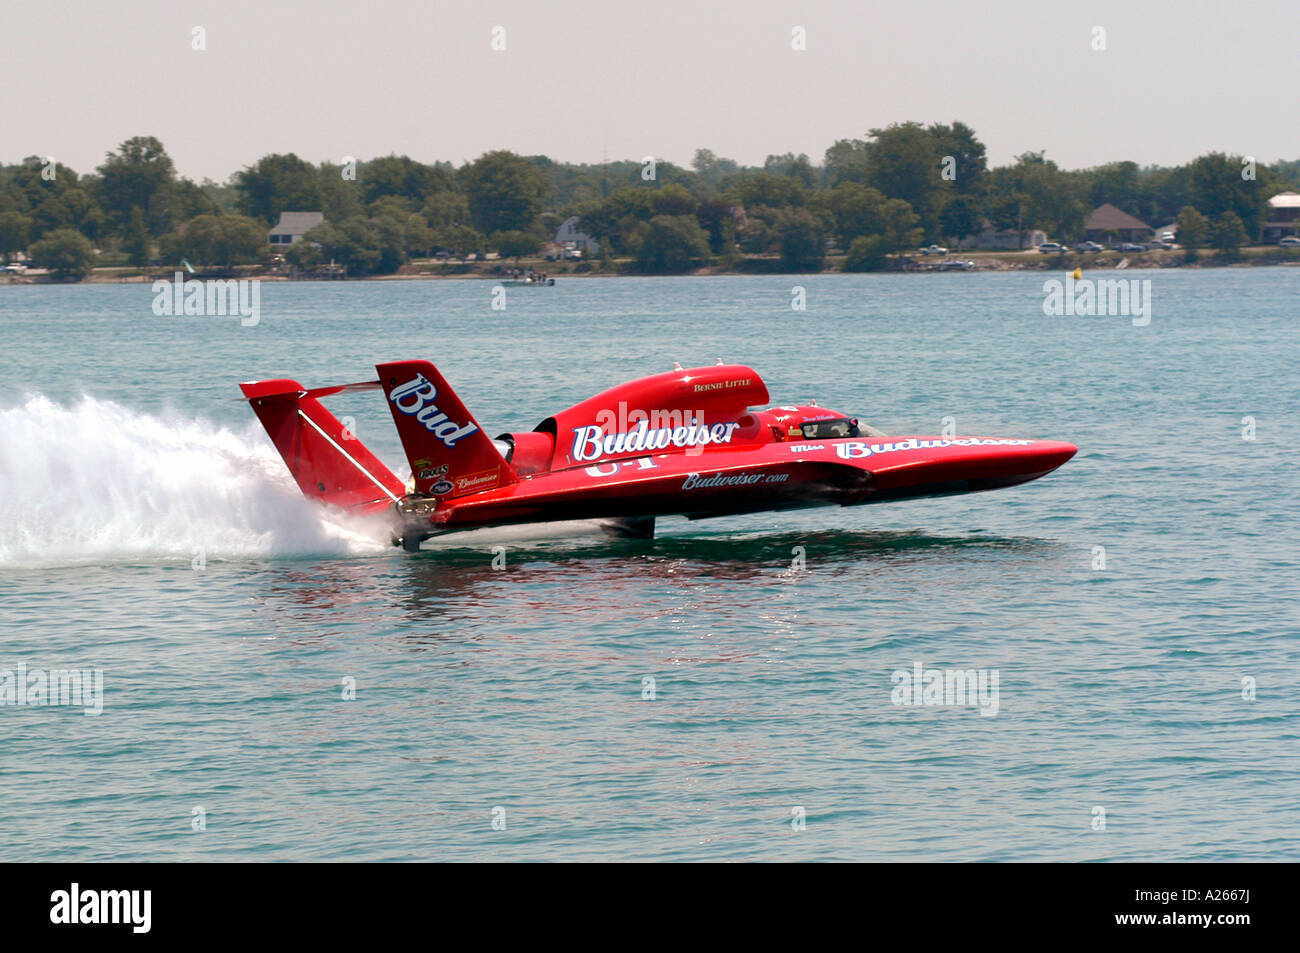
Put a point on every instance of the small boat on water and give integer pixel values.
(532, 279)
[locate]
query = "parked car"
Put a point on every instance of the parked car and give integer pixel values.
(1290, 242)
(934, 250)
(14, 268)
(1089, 247)
(1131, 246)
(1167, 237)
(1048, 248)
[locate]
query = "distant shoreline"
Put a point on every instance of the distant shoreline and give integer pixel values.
(754, 266)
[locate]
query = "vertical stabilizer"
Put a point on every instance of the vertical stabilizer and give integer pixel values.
(450, 455)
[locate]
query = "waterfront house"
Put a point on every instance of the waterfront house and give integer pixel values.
(568, 232)
(1003, 239)
(1282, 217)
(292, 226)
(1110, 224)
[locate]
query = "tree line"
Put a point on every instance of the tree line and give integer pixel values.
(868, 199)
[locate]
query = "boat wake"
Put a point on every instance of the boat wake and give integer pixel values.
(96, 481)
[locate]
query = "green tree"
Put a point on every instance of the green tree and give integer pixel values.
(773, 191)
(136, 242)
(903, 162)
(847, 161)
(140, 175)
(617, 216)
(280, 183)
(1116, 183)
(446, 208)
(304, 255)
(339, 198)
(969, 164)
(1218, 186)
(221, 240)
(14, 229)
(515, 244)
(856, 210)
(961, 217)
(792, 166)
(1228, 235)
(801, 240)
(718, 219)
(188, 200)
(1192, 229)
(859, 210)
(669, 244)
(673, 199)
(420, 238)
(403, 177)
(459, 240)
(867, 253)
(1043, 196)
(712, 168)
(71, 207)
(389, 224)
(352, 242)
(66, 253)
(504, 192)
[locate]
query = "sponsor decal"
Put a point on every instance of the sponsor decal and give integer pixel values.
(806, 447)
(419, 464)
(415, 399)
(852, 449)
(724, 385)
(483, 478)
(429, 473)
(614, 466)
(697, 482)
(592, 443)
(442, 488)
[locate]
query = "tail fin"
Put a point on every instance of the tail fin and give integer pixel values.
(449, 452)
(328, 463)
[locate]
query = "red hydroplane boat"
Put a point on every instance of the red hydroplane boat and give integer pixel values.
(682, 443)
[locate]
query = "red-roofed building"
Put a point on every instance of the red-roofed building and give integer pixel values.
(1108, 223)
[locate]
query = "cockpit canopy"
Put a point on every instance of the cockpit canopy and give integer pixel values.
(830, 429)
(814, 423)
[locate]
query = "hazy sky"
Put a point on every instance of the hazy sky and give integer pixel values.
(579, 81)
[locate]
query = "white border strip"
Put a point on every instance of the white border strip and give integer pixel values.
(348, 456)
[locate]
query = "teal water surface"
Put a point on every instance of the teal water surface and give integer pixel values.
(148, 529)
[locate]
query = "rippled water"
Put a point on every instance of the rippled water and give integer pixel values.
(126, 461)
